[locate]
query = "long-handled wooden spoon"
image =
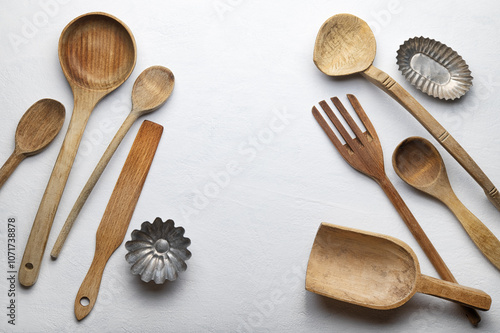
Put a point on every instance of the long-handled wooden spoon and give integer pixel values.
(37, 128)
(419, 164)
(345, 45)
(375, 271)
(151, 90)
(97, 53)
(118, 213)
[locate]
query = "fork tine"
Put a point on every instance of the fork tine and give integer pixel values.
(336, 122)
(352, 124)
(362, 116)
(326, 128)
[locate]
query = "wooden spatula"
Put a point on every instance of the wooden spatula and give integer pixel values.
(118, 213)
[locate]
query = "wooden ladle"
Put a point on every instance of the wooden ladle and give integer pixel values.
(345, 45)
(37, 128)
(151, 90)
(418, 163)
(375, 271)
(97, 53)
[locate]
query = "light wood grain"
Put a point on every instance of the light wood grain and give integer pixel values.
(345, 45)
(119, 210)
(97, 53)
(375, 271)
(37, 128)
(419, 164)
(151, 90)
(364, 153)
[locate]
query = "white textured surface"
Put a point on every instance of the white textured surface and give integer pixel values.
(238, 64)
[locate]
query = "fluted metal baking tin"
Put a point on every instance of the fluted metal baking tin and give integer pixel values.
(434, 68)
(158, 251)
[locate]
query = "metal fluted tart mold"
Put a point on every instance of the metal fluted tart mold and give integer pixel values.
(158, 251)
(434, 68)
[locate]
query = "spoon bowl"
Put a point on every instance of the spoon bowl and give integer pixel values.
(345, 45)
(418, 163)
(97, 53)
(37, 128)
(375, 271)
(152, 89)
(89, 47)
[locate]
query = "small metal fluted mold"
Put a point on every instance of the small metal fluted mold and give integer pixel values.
(158, 251)
(434, 68)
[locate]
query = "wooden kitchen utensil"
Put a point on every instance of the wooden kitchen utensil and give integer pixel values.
(346, 45)
(364, 154)
(116, 218)
(37, 128)
(97, 53)
(418, 163)
(151, 90)
(375, 271)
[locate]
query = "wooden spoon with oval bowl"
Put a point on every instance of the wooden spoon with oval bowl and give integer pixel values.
(345, 45)
(151, 90)
(375, 271)
(37, 128)
(97, 53)
(418, 163)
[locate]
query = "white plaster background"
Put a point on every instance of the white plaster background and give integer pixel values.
(237, 64)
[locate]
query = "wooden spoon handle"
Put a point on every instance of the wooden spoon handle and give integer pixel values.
(454, 292)
(119, 210)
(424, 242)
(394, 89)
(35, 248)
(91, 182)
(484, 239)
(10, 165)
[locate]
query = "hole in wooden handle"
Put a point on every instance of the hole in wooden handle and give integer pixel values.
(84, 301)
(29, 266)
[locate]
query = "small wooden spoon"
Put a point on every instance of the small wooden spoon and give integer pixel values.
(375, 271)
(37, 128)
(419, 164)
(97, 53)
(151, 90)
(346, 45)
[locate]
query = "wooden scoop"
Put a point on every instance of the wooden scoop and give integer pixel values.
(345, 45)
(375, 271)
(151, 90)
(118, 213)
(37, 128)
(97, 53)
(418, 163)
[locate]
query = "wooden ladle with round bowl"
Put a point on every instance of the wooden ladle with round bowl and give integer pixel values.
(97, 53)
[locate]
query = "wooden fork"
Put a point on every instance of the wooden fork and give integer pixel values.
(364, 153)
